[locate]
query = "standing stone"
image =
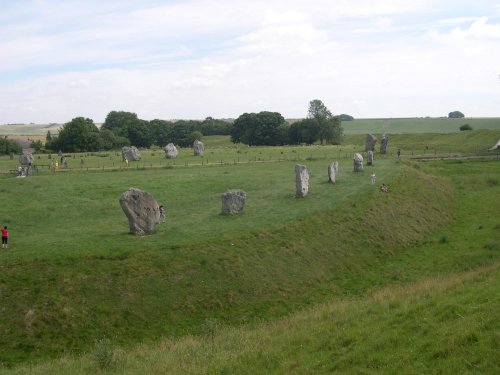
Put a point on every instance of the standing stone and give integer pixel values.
(171, 151)
(142, 211)
(383, 144)
(198, 148)
(26, 159)
(233, 201)
(333, 171)
(358, 162)
(370, 142)
(369, 158)
(301, 181)
(131, 153)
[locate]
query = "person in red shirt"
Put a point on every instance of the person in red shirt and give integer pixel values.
(5, 238)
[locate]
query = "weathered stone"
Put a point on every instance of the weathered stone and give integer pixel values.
(358, 162)
(142, 211)
(369, 158)
(383, 144)
(171, 151)
(496, 147)
(131, 153)
(333, 171)
(370, 142)
(301, 181)
(26, 159)
(233, 201)
(198, 148)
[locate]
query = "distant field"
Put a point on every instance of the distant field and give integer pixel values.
(417, 125)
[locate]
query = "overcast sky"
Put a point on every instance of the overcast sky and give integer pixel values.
(193, 59)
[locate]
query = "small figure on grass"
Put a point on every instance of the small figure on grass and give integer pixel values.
(5, 238)
(399, 152)
(162, 214)
(384, 188)
(373, 178)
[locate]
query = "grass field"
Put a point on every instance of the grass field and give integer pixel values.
(332, 282)
(417, 125)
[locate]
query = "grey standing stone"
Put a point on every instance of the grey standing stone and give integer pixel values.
(142, 211)
(301, 181)
(171, 151)
(369, 158)
(198, 148)
(358, 162)
(383, 144)
(370, 142)
(233, 201)
(333, 171)
(131, 153)
(26, 159)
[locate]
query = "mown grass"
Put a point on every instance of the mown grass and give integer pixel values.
(417, 125)
(73, 274)
(428, 308)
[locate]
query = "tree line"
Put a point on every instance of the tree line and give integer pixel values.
(122, 128)
(125, 129)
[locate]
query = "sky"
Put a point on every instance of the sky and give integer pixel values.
(60, 59)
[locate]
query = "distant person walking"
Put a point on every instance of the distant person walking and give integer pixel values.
(399, 152)
(5, 238)
(162, 214)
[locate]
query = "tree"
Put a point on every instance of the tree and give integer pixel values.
(465, 127)
(211, 126)
(161, 132)
(455, 114)
(260, 129)
(139, 133)
(328, 127)
(80, 134)
(119, 121)
(9, 147)
(36, 145)
(344, 117)
(181, 134)
(48, 137)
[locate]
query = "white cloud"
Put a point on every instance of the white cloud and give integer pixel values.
(200, 58)
(478, 29)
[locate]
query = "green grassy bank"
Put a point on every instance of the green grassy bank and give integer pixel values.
(73, 274)
(411, 278)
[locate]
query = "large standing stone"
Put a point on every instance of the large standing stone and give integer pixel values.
(198, 148)
(171, 151)
(142, 211)
(26, 159)
(333, 171)
(370, 142)
(233, 201)
(301, 181)
(131, 153)
(358, 162)
(383, 144)
(369, 158)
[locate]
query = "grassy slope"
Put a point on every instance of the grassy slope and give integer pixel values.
(445, 143)
(417, 125)
(138, 289)
(427, 309)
